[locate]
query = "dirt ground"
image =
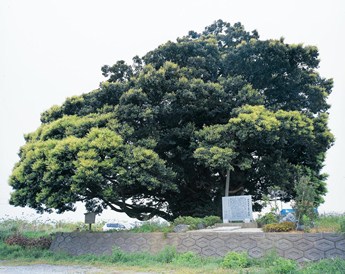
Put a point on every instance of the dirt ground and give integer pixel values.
(58, 269)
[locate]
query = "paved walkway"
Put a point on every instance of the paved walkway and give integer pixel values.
(228, 229)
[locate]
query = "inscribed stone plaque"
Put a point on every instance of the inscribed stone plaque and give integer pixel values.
(237, 208)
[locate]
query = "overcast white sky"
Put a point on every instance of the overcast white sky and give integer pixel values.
(51, 50)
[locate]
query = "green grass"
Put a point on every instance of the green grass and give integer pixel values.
(152, 227)
(329, 223)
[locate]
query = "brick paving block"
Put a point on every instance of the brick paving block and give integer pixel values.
(101, 241)
(240, 236)
(92, 241)
(209, 251)
(232, 243)
(283, 244)
(340, 245)
(129, 241)
(279, 252)
(240, 249)
(170, 239)
(248, 244)
(222, 251)
(303, 245)
(292, 237)
(273, 236)
(312, 236)
(151, 240)
(181, 236)
(188, 242)
(257, 236)
(144, 248)
(299, 247)
(202, 242)
(314, 254)
(133, 248)
(119, 241)
(217, 243)
(256, 252)
(303, 260)
(195, 249)
(334, 237)
(59, 238)
(86, 234)
(107, 235)
(265, 244)
(293, 254)
(224, 236)
(182, 249)
(140, 241)
(210, 236)
(324, 245)
(335, 253)
(195, 235)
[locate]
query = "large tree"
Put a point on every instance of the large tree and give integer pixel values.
(160, 136)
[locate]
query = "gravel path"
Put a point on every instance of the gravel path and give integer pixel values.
(45, 268)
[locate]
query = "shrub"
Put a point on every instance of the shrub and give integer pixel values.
(336, 265)
(167, 254)
(235, 260)
(197, 223)
(268, 218)
(283, 266)
(193, 222)
(273, 263)
(148, 227)
(25, 242)
(281, 227)
(342, 225)
(211, 220)
(305, 200)
(188, 258)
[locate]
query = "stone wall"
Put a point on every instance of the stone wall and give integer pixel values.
(299, 247)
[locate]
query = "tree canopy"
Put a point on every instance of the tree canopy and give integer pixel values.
(158, 136)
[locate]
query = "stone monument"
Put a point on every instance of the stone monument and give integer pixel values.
(237, 208)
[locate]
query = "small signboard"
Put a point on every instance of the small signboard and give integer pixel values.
(90, 217)
(237, 208)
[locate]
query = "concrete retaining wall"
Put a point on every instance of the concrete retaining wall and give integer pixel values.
(299, 247)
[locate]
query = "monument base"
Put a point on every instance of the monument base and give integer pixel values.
(241, 224)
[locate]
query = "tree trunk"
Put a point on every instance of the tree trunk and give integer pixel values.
(227, 183)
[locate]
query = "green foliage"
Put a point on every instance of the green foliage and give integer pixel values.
(211, 220)
(305, 202)
(167, 255)
(279, 227)
(342, 225)
(235, 260)
(336, 265)
(272, 263)
(148, 227)
(330, 223)
(158, 137)
(283, 266)
(193, 222)
(196, 223)
(267, 218)
(188, 259)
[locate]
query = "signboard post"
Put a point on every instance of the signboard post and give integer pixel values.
(237, 208)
